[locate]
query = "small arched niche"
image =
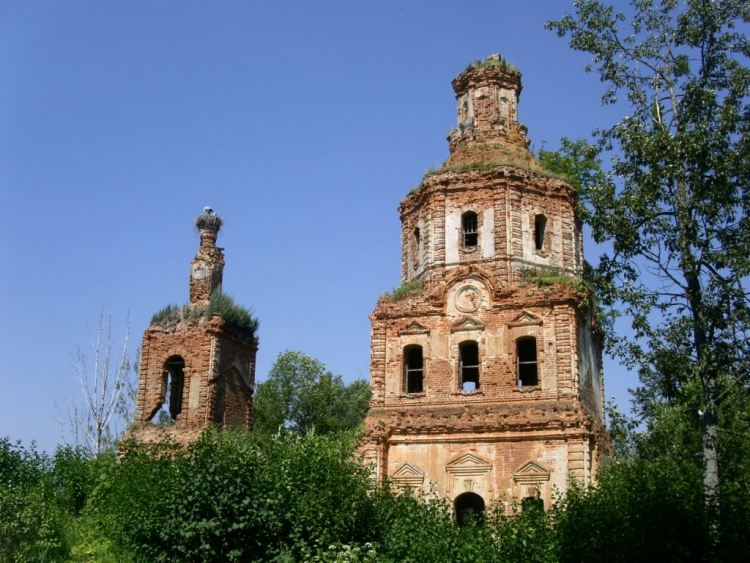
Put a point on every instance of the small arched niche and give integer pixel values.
(468, 506)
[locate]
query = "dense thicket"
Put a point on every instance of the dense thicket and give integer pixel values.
(289, 497)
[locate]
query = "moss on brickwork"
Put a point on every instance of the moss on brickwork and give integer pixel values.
(527, 165)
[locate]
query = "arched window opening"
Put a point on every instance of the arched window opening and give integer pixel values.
(172, 384)
(527, 362)
(540, 228)
(416, 248)
(469, 365)
(414, 369)
(468, 507)
(469, 225)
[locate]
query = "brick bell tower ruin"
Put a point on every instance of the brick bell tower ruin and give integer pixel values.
(487, 383)
(197, 366)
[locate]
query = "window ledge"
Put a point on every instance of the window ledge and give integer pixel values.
(475, 392)
(527, 388)
(414, 395)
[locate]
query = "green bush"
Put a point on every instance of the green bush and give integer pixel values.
(231, 497)
(32, 523)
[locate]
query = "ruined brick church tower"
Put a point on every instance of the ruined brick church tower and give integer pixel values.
(485, 368)
(197, 365)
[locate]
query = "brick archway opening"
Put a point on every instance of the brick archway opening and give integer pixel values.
(468, 506)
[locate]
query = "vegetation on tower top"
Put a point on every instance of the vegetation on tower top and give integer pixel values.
(494, 60)
(236, 317)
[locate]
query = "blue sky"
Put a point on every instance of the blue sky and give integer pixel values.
(302, 123)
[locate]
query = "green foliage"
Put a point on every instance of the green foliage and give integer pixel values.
(495, 61)
(238, 496)
(167, 317)
(404, 290)
(639, 511)
(207, 221)
(32, 521)
(578, 163)
(300, 395)
(236, 317)
(584, 286)
(673, 204)
(232, 498)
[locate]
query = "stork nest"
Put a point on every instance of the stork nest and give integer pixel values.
(207, 221)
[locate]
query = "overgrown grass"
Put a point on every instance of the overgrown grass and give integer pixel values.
(528, 165)
(167, 317)
(402, 291)
(495, 61)
(547, 276)
(236, 317)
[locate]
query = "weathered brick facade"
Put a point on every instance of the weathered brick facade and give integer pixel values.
(195, 371)
(485, 381)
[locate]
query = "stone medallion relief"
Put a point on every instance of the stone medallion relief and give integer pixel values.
(467, 297)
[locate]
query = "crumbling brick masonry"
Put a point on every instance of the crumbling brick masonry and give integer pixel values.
(487, 383)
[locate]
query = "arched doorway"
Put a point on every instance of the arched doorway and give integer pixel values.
(468, 504)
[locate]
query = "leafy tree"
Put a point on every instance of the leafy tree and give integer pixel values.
(301, 395)
(675, 207)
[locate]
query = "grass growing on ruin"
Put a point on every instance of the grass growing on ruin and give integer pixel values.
(236, 317)
(548, 276)
(405, 289)
(167, 317)
(495, 61)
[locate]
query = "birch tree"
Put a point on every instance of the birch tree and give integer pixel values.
(107, 389)
(675, 209)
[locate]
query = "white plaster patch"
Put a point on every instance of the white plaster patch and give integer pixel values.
(452, 224)
(486, 238)
(194, 399)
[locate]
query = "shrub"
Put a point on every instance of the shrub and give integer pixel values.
(232, 497)
(32, 524)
